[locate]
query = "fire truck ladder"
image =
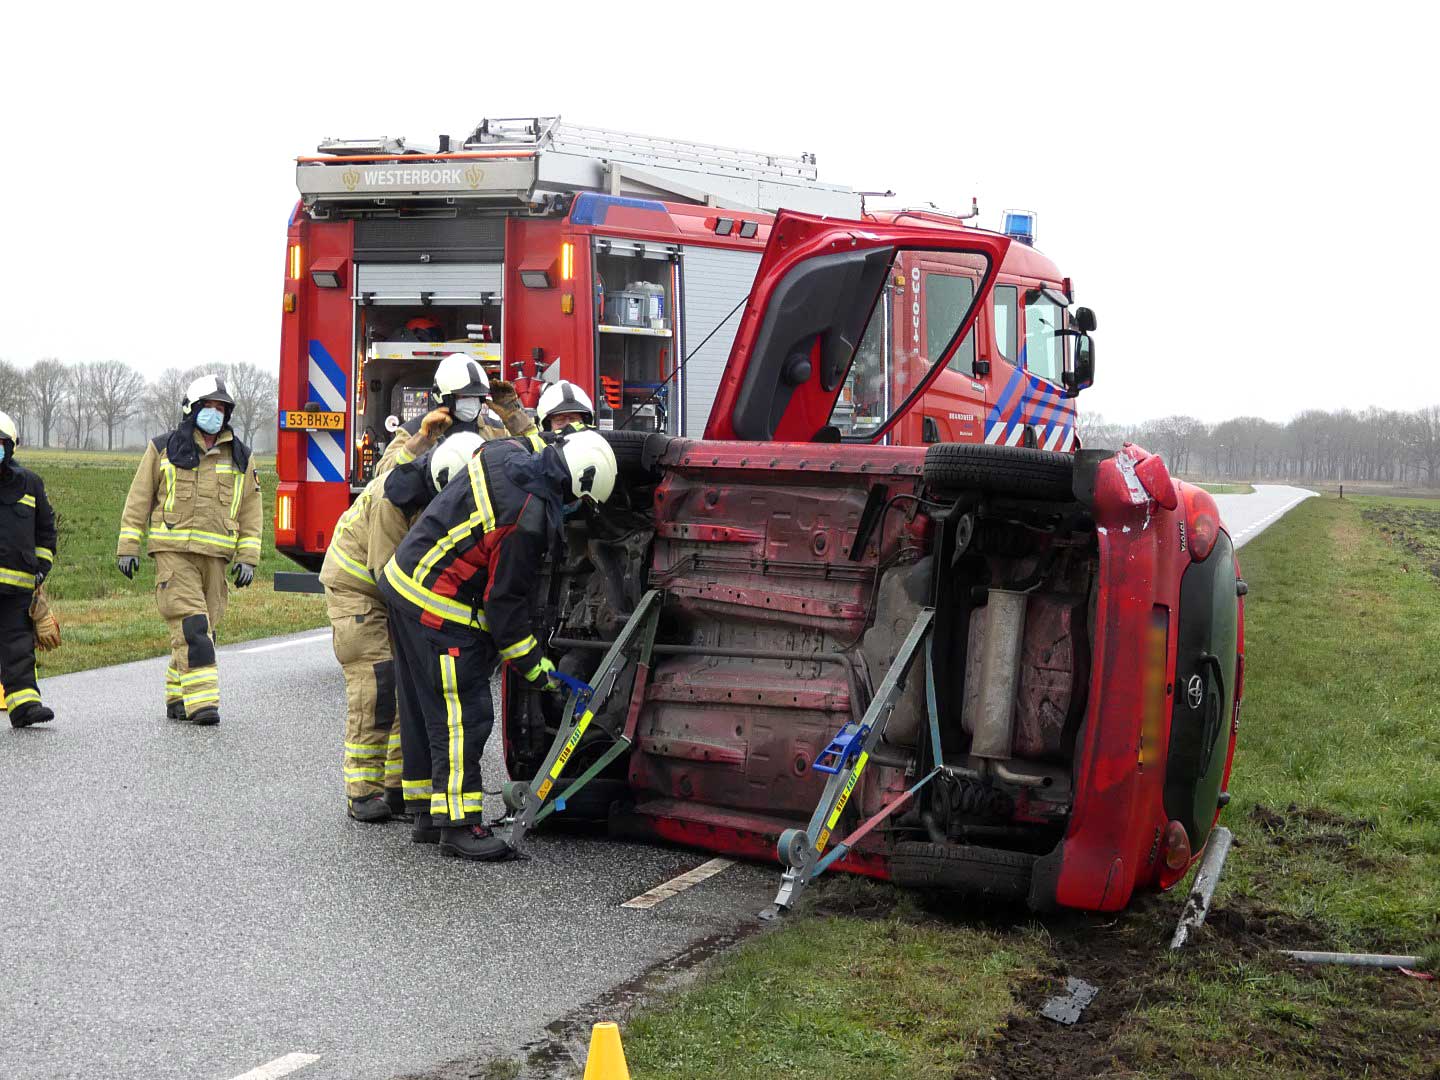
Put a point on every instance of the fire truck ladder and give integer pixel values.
(528, 800)
(802, 852)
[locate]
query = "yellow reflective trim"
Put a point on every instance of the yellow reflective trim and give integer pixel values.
(236, 497)
(403, 456)
(198, 536)
(27, 500)
(167, 473)
(45, 553)
(433, 602)
(453, 716)
(131, 534)
(21, 697)
(536, 443)
(351, 567)
(422, 786)
(364, 750)
(363, 774)
(520, 648)
(17, 577)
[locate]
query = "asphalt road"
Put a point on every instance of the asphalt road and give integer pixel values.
(189, 902)
(193, 902)
(1247, 516)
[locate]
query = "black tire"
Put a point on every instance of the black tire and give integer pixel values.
(590, 807)
(629, 447)
(977, 871)
(1000, 470)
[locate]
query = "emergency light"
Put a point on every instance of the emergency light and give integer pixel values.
(1020, 225)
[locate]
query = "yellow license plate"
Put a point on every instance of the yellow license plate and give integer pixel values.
(303, 420)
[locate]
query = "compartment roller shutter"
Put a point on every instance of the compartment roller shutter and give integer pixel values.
(713, 281)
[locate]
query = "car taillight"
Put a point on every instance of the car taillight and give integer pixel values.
(1175, 848)
(1202, 522)
(285, 516)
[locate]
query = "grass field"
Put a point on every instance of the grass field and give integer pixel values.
(1336, 813)
(106, 619)
(1229, 489)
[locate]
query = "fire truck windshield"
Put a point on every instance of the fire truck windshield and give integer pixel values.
(913, 326)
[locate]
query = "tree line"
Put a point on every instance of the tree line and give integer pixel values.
(1379, 445)
(98, 404)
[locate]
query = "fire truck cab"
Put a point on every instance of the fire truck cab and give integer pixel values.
(621, 263)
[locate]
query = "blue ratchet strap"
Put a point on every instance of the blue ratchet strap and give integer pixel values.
(583, 692)
(845, 746)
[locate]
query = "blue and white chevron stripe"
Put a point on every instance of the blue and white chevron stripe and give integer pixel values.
(325, 450)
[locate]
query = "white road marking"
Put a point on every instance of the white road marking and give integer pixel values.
(308, 639)
(281, 1066)
(677, 885)
(1255, 527)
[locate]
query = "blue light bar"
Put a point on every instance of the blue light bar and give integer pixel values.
(1020, 225)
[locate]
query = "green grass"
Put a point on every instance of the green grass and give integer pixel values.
(1336, 812)
(1228, 489)
(106, 619)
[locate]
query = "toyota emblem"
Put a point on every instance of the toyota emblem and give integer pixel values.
(1195, 691)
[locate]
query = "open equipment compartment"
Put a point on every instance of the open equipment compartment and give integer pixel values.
(635, 335)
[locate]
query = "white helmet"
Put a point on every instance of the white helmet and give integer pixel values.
(8, 430)
(591, 463)
(450, 458)
(206, 388)
(564, 397)
(459, 376)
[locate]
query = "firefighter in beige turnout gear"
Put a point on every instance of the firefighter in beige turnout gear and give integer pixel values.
(463, 392)
(197, 494)
(364, 539)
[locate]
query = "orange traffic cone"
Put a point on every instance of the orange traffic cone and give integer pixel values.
(606, 1059)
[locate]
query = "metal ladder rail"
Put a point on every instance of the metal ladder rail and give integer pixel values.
(802, 852)
(528, 799)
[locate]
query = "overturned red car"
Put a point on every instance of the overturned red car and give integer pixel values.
(985, 668)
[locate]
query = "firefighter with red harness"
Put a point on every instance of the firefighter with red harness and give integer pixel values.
(459, 590)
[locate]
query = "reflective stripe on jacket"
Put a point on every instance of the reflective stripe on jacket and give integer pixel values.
(27, 529)
(211, 509)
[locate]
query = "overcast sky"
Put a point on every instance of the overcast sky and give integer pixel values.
(1234, 190)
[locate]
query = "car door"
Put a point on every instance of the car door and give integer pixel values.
(829, 293)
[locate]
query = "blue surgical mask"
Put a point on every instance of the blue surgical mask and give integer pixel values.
(2, 451)
(210, 421)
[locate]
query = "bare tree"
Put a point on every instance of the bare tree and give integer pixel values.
(257, 395)
(46, 384)
(76, 406)
(116, 390)
(160, 406)
(12, 392)
(1421, 435)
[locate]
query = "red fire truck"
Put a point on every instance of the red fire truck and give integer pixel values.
(619, 262)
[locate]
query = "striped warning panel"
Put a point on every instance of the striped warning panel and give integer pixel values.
(325, 452)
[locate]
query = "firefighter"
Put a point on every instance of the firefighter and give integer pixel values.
(365, 537)
(197, 493)
(564, 405)
(462, 390)
(459, 595)
(27, 552)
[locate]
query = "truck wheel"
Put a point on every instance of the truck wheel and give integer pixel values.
(1000, 470)
(978, 871)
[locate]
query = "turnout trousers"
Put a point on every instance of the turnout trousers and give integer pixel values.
(190, 593)
(17, 651)
(372, 737)
(442, 682)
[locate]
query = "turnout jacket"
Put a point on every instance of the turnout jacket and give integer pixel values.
(499, 418)
(27, 529)
(469, 562)
(193, 500)
(367, 534)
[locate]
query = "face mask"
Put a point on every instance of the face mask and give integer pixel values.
(467, 409)
(210, 421)
(2, 451)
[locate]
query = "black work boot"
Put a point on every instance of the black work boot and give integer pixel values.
(175, 710)
(395, 799)
(475, 842)
(371, 809)
(423, 831)
(32, 712)
(205, 716)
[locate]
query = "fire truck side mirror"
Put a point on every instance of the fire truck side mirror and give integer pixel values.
(1081, 372)
(1084, 319)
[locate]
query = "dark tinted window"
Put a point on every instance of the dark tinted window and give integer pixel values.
(1007, 326)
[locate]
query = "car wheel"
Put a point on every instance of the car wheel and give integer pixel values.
(1001, 470)
(978, 871)
(629, 447)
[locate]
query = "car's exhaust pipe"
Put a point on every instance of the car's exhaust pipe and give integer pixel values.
(993, 683)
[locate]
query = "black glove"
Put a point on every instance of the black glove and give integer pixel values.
(244, 574)
(40, 576)
(128, 564)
